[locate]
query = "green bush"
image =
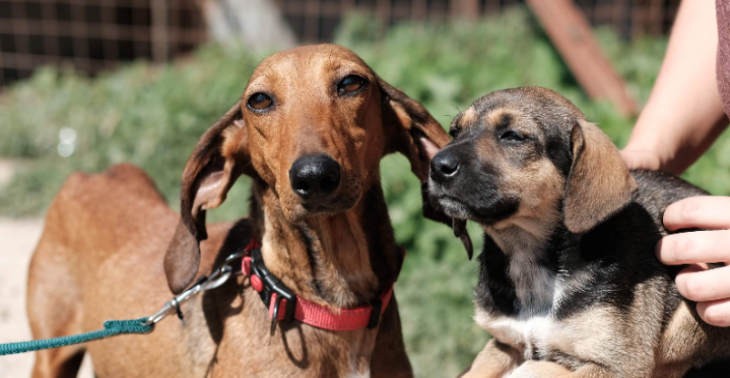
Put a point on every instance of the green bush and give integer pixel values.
(153, 116)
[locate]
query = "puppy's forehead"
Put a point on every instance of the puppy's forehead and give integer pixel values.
(535, 101)
(304, 61)
(490, 118)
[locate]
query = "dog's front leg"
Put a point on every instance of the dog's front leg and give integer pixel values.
(494, 361)
(547, 369)
(541, 369)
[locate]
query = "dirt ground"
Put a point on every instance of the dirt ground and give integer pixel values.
(18, 238)
(17, 241)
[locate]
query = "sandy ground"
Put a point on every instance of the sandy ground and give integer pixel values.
(18, 239)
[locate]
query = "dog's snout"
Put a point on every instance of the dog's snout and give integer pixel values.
(443, 166)
(314, 176)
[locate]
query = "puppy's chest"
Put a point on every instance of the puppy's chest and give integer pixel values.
(569, 341)
(535, 337)
(534, 329)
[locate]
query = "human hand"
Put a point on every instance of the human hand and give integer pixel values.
(710, 288)
(641, 159)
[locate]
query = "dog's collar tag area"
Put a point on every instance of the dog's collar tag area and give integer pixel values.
(275, 294)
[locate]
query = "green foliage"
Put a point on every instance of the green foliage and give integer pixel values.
(141, 114)
(153, 116)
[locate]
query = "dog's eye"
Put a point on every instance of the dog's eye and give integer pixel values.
(453, 132)
(350, 84)
(259, 101)
(511, 136)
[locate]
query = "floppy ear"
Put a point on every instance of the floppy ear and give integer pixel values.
(219, 158)
(599, 184)
(412, 131)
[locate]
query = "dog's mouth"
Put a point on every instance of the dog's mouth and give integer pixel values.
(343, 200)
(496, 211)
(336, 205)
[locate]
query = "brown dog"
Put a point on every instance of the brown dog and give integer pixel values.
(310, 129)
(569, 282)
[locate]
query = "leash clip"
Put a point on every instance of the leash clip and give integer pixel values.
(205, 283)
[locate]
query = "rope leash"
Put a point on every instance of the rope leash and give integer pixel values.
(111, 328)
(271, 290)
(129, 327)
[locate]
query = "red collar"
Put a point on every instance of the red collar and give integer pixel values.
(275, 295)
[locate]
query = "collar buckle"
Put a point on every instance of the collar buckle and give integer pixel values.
(271, 286)
(377, 305)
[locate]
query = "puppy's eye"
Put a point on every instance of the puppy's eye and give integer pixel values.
(512, 136)
(350, 84)
(259, 101)
(453, 132)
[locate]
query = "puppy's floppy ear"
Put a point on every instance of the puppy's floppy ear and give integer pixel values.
(411, 130)
(219, 158)
(599, 183)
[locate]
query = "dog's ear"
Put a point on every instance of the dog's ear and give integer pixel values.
(599, 183)
(219, 158)
(411, 130)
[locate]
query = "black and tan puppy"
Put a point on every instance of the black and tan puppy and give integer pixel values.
(569, 282)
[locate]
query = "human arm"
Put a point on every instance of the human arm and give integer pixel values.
(684, 114)
(682, 119)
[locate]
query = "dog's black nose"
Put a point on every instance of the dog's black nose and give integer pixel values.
(444, 166)
(314, 176)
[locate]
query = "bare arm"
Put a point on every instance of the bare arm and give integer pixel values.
(682, 119)
(684, 114)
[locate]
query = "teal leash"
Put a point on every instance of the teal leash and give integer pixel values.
(130, 327)
(111, 328)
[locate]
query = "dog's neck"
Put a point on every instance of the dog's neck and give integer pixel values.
(340, 260)
(520, 262)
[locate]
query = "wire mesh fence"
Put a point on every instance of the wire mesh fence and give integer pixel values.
(317, 20)
(92, 35)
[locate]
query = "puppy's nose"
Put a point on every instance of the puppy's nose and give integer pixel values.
(314, 176)
(444, 166)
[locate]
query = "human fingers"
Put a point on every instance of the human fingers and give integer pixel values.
(700, 284)
(694, 247)
(716, 313)
(711, 212)
(640, 159)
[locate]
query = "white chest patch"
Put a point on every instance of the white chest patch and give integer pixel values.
(526, 335)
(356, 374)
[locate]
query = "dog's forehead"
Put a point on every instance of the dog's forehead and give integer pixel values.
(527, 102)
(530, 100)
(308, 60)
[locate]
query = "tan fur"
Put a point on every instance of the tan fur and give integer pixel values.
(469, 116)
(540, 185)
(102, 253)
(540, 369)
(491, 118)
(494, 361)
(600, 184)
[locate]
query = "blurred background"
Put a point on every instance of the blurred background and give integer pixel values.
(85, 84)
